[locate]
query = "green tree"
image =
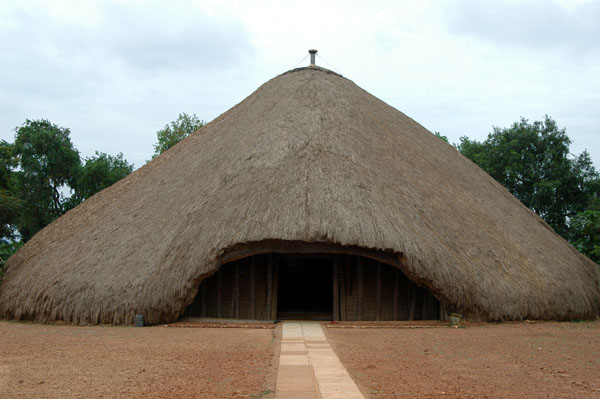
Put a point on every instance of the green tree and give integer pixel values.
(533, 162)
(176, 131)
(99, 172)
(43, 172)
(47, 164)
(438, 134)
(7, 248)
(585, 233)
(10, 205)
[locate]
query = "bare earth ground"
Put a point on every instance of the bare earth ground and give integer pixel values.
(508, 360)
(489, 360)
(58, 361)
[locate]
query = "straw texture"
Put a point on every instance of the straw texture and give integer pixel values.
(308, 157)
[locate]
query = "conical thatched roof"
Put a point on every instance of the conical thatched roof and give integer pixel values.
(308, 157)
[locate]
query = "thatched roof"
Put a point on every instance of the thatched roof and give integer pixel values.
(309, 157)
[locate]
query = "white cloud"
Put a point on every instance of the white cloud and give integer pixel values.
(115, 72)
(533, 24)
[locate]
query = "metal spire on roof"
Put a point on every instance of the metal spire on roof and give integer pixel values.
(312, 52)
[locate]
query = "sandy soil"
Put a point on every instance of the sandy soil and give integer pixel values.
(53, 361)
(495, 361)
(508, 360)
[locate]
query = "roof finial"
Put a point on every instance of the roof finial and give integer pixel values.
(312, 52)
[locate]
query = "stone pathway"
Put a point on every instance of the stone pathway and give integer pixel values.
(308, 367)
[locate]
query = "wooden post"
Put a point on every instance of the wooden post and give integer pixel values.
(342, 267)
(220, 292)
(336, 288)
(396, 289)
(253, 287)
(359, 305)
(275, 287)
(268, 310)
(235, 308)
(413, 301)
(443, 313)
(350, 283)
(425, 301)
(203, 296)
(378, 305)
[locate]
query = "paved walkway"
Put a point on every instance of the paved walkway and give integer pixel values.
(308, 367)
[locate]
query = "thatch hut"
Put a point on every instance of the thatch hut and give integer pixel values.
(310, 197)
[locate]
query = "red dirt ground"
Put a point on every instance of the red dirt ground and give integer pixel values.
(508, 360)
(489, 360)
(59, 361)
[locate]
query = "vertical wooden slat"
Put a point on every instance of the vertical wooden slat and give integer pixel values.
(354, 284)
(396, 289)
(342, 284)
(378, 304)
(235, 294)
(275, 287)
(413, 301)
(443, 313)
(220, 293)
(359, 305)
(336, 288)
(268, 310)
(425, 295)
(253, 287)
(203, 297)
(350, 281)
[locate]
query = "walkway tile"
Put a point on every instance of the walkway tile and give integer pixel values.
(309, 368)
(293, 360)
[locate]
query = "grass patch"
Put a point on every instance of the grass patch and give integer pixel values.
(261, 394)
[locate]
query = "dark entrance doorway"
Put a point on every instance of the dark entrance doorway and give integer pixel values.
(305, 288)
(321, 286)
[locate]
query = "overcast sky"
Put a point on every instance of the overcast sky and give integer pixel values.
(115, 72)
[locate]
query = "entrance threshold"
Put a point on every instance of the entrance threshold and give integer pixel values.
(304, 315)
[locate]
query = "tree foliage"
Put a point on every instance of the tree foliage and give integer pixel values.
(10, 205)
(48, 163)
(42, 176)
(532, 160)
(47, 177)
(99, 172)
(7, 248)
(585, 233)
(438, 134)
(176, 131)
